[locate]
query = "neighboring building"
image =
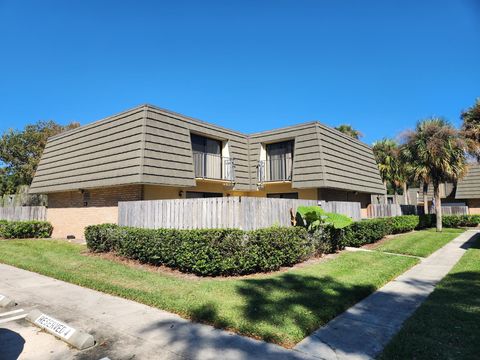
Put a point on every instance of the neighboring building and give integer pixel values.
(468, 189)
(415, 196)
(447, 194)
(148, 153)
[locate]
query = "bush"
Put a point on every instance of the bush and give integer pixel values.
(404, 223)
(99, 237)
(452, 221)
(25, 229)
(206, 251)
(369, 231)
(366, 231)
(327, 239)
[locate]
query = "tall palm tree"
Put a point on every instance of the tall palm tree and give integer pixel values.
(349, 130)
(437, 154)
(415, 171)
(471, 129)
(386, 156)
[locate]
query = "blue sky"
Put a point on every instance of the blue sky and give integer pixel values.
(247, 65)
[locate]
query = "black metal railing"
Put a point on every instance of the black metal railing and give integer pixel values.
(276, 168)
(213, 166)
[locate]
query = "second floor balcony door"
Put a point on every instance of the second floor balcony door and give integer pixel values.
(279, 161)
(207, 155)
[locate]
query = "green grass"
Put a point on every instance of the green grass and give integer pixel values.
(447, 325)
(419, 243)
(282, 308)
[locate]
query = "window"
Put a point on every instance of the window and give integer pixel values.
(279, 161)
(198, 194)
(207, 157)
(206, 145)
(292, 195)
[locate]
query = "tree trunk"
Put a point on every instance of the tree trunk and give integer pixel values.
(405, 194)
(425, 198)
(385, 200)
(438, 205)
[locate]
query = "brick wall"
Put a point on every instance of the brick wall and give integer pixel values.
(95, 197)
(72, 221)
(70, 212)
(474, 206)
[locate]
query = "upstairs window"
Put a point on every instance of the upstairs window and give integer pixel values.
(279, 161)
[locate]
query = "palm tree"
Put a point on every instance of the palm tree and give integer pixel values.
(471, 129)
(386, 156)
(349, 130)
(436, 153)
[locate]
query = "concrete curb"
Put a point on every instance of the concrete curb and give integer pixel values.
(6, 302)
(70, 335)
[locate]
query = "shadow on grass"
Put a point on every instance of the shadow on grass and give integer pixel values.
(273, 308)
(473, 243)
(447, 324)
(296, 302)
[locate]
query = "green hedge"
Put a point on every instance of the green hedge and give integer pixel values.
(451, 221)
(369, 231)
(211, 251)
(25, 229)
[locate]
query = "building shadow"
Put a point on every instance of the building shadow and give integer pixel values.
(11, 344)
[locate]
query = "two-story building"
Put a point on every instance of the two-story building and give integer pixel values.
(149, 153)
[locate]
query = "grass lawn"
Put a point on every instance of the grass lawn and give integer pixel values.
(419, 243)
(447, 325)
(282, 308)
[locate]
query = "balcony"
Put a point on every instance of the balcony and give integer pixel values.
(277, 168)
(213, 166)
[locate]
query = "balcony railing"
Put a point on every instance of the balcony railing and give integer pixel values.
(213, 166)
(278, 168)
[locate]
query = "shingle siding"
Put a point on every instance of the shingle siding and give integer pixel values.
(306, 154)
(469, 186)
(149, 145)
(104, 153)
(349, 164)
(168, 135)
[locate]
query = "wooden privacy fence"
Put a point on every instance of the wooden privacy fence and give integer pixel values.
(16, 213)
(245, 213)
(387, 210)
(455, 210)
(348, 208)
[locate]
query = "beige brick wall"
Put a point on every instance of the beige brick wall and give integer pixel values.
(70, 212)
(474, 206)
(72, 221)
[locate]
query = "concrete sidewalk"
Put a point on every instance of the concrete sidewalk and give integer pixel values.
(126, 329)
(363, 330)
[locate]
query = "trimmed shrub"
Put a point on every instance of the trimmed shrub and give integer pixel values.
(206, 251)
(99, 237)
(404, 223)
(369, 231)
(425, 221)
(366, 231)
(25, 229)
(327, 239)
(452, 221)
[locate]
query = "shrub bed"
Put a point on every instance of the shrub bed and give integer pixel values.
(211, 251)
(369, 231)
(25, 229)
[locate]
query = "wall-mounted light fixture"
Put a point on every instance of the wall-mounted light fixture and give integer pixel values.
(180, 193)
